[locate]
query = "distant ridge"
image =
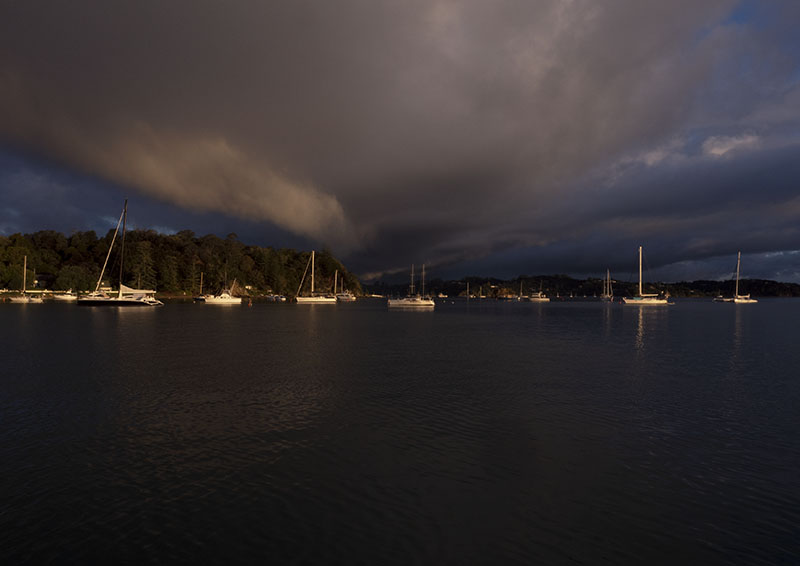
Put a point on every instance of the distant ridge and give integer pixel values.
(564, 286)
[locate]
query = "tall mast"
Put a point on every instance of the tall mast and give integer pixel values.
(335, 281)
(640, 271)
(201, 282)
(423, 279)
(412, 280)
(122, 249)
(111, 247)
(312, 272)
(24, 274)
(738, 261)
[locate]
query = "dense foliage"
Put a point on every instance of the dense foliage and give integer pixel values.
(166, 263)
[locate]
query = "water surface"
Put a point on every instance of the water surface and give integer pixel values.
(480, 433)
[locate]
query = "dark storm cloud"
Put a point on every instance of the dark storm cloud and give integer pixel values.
(436, 131)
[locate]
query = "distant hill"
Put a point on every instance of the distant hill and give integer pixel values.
(168, 263)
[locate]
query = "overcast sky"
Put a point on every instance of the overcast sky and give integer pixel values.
(488, 138)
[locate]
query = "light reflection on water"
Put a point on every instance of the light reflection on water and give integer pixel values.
(488, 432)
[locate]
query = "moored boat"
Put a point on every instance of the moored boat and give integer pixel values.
(314, 297)
(224, 298)
(412, 300)
(25, 298)
(125, 296)
(644, 299)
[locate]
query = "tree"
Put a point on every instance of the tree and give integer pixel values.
(141, 270)
(164, 262)
(75, 277)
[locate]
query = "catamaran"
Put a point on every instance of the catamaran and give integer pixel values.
(314, 298)
(126, 296)
(24, 297)
(644, 298)
(413, 300)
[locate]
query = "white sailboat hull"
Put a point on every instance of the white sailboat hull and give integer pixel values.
(644, 301)
(412, 302)
(25, 300)
(323, 300)
(100, 301)
(222, 300)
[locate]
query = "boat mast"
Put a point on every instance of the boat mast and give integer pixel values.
(122, 249)
(312, 272)
(411, 292)
(303, 279)
(335, 281)
(738, 261)
(201, 282)
(640, 271)
(24, 274)
(423, 279)
(111, 247)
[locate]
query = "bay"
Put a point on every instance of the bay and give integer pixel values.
(482, 432)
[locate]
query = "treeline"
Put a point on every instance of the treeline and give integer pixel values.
(167, 263)
(565, 286)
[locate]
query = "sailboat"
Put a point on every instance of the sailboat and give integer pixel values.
(126, 296)
(342, 296)
(521, 297)
(224, 298)
(201, 298)
(737, 298)
(413, 300)
(24, 298)
(539, 296)
(314, 297)
(644, 298)
(608, 293)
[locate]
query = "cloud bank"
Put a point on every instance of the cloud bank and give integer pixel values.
(439, 131)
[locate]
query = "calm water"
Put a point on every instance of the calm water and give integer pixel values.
(494, 433)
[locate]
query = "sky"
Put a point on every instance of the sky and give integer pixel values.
(480, 138)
